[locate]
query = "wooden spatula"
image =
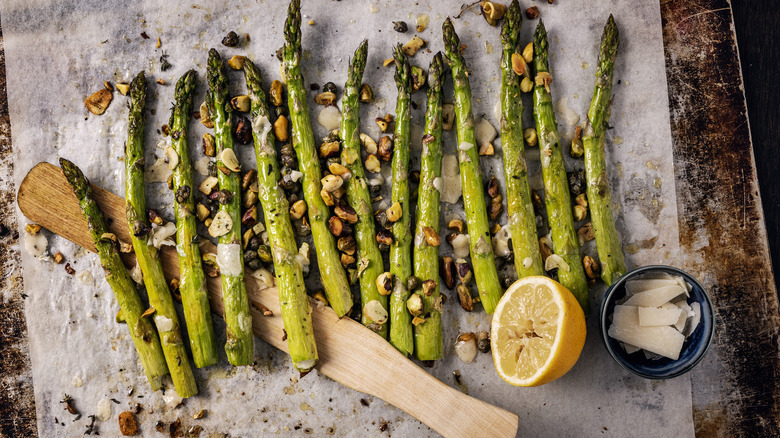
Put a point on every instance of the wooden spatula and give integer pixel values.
(349, 353)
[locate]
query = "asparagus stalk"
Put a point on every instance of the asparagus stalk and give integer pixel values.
(358, 195)
(334, 279)
(593, 139)
(522, 220)
(428, 343)
(401, 332)
(296, 310)
(142, 331)
(239, 346)
(557, 197)
(194, 295)
(156, 287)
(482, 257)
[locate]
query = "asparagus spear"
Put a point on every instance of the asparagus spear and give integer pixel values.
(482, 256)
(194, 296)
(357, 192)
(428, 342)
(557, 198)
(156, 287)
(607, 243)
(239, 346)
(142, 331)
(401, 332)
(296, 310)
(334, 279)
(522, 223)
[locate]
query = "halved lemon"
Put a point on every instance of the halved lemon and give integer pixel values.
(537, 333)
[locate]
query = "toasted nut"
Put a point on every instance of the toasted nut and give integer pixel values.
(229, 159)
(277, 93)
(347, 245)
(580, 212)
(347, 259)
(32, 229)
(209, 147)
(446, 271)
(248, 178)
(483, 342)
(395, 212)
(205, 116)
(384, 283)
(221, 196)
(250, 216)
(526, 85)
(387, 62)
(464, 296)
(108, 86)
(592, 269)
(518, 64)
(58, 258)
(99, 101)
(366, 93)
(544, 248)
(346, 213)
(528, 53)
(248, 235)
(230, 40)
(264, 254)
(380, 216)
(243, 130)
(413, 45)
(577, 149)
(332, 182)
(201, 212)
(148, 312)
(338, 169)
(298, 209)
(327, 197)
(240, 103)
(320, 296)
(208, 185)
(495, 228)
(329, 149)
(123, 88)
(493, 189)
(532, 12)
(325, 98)
(576, 180)
(280, 128)
(372, 164)
(487, 149)
(236, 62)
(385, 149)
(208, 222)
(337, 227)
(543, 78)
(221, 225)
(368, 143)
(382, 123)
(418, 78)
(172, 157)
(125, 248)
(448, 116)
(160, 81)
(463, 270)
(495, 209)
(585, 233)
(581, 199)
(428, 287)
(384, 237)
(536, 200)
(414, 304)
(456, 225)
(529, 135)
(400, 26)
(493, 12)
(431, 236)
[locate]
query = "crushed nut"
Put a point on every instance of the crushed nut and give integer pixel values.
(585, 233)
(277, 93)
(385, 149)
(395, 212)
(99, 101)
(332, 182)
(465, 298)
(493, 12)
(327, 197)
(298, 209)
(387, 62)
(532, 12)
(366, 93)
(464, 271)
(418, 78)
(580, 212)
(446, 271)
(431, 236)
(329, 149)
(581, 199)
(280, 129)
(518, 64)
(577, 149)
(544, 248)
(543, 78)
(230, 40)
(400, 26)
(240, 103)
(414, 304)
(123, 88)
(526, 85)
(32, 229)
(346, 213)
(236, 62)
(384, 283)
(529, 135)
(243, 130)
(592, 269)
(412, 46)
(428, 286)
(205, 116)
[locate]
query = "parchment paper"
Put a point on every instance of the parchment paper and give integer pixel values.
(58, 53)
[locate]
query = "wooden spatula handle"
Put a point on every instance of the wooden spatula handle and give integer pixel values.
(349, 353)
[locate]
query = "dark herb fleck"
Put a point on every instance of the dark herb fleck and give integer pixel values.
(165, 65)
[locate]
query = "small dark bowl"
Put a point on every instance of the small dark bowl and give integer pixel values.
(664, 368)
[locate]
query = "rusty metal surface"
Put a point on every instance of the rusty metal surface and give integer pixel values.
(736, 391)
(17, 403)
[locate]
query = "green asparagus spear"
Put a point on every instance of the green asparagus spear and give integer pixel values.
(358, 196)
(334, 279)
(148, 259)
(240, 342)
(593, 139)
(194, 296)
(428, 343)
(296, 310)
(556, 188)
(520, 210)
(401, 332)
(142, 331)
(482, 256)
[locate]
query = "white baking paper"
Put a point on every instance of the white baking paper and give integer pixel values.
(60, 52)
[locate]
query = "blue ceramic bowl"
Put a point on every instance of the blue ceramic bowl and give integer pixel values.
(664, 368)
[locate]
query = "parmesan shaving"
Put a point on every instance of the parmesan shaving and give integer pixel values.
(229, 259)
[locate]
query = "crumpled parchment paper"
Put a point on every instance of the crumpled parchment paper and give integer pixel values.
(58, 53)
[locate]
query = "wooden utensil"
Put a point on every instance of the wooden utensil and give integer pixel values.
(350, 353)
